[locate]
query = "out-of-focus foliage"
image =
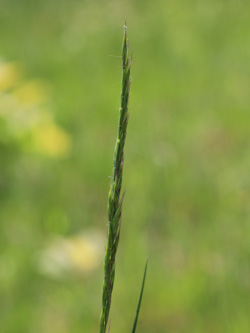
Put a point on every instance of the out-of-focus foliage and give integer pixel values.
(186, 164)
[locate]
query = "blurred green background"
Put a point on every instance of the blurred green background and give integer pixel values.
(186, 172)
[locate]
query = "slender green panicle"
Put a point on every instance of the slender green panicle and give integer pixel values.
(140, 298)
(115, 199)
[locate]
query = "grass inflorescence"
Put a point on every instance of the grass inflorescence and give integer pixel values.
(115, 198)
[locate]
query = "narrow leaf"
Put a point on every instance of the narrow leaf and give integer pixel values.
(140, 298)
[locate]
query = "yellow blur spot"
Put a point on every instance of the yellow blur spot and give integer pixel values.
(50, 139)
(80, 254)
(9, 75)
(31, 93)
(25, 117)
(83, 254)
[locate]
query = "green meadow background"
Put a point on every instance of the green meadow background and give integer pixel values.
(186, 170)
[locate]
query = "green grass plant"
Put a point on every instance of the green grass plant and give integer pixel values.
(115, 198)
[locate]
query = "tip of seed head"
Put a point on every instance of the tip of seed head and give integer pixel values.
(125, 24)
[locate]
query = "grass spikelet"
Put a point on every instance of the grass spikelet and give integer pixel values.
(115, 199)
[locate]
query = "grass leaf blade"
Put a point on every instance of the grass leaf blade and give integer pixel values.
(140, 298)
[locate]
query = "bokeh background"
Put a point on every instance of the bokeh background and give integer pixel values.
(186, 171)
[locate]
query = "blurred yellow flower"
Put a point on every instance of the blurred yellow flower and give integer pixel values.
(31, 93)
(26, 120)
(79, 254)
(10, 74)
(83, 253)
(50, 139)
